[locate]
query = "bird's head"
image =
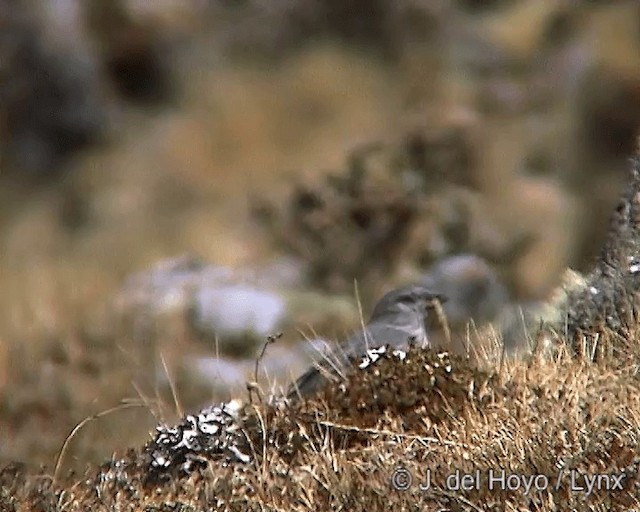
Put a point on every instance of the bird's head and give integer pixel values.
(412, 300)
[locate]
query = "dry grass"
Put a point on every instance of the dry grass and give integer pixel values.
(563, 419)
(177, 182)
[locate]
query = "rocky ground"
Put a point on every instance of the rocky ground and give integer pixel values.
(164, 167)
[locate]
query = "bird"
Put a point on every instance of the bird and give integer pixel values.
(397, 320)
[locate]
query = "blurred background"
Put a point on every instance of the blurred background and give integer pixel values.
(180, 179)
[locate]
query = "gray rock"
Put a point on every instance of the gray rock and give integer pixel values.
(213, 303)
(166, 287)
(234, 310)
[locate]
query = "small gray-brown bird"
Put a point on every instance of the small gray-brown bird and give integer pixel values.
(398, 320)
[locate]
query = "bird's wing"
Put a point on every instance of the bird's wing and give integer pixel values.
(356, 346)
(378, 335)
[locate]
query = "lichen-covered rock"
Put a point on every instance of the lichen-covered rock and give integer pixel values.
(215, 432)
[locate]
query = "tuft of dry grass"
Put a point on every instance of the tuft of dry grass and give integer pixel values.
(401, 422)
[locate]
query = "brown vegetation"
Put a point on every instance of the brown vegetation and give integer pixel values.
(426, 414)
(550, 433)
(529, 107)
